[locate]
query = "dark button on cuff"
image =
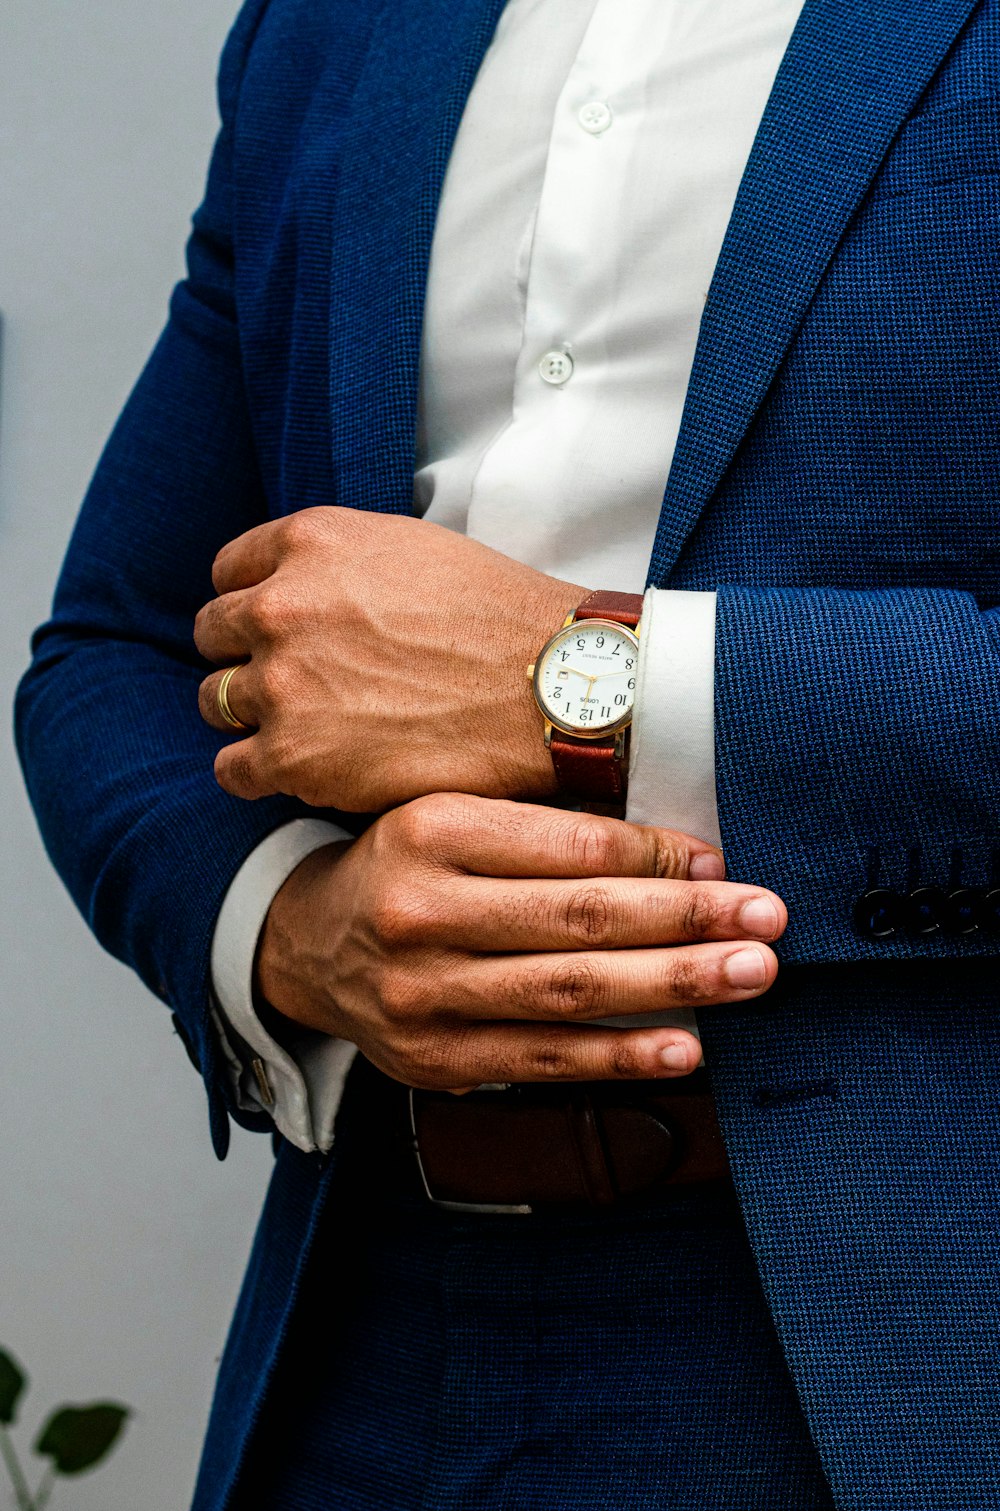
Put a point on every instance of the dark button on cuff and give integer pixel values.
(989, 909)
(879, 913)
(926, 910)
(964, 910)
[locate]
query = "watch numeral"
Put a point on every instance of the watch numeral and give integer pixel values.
(586, 714)
(580, 643)
(629, 663)
(631, 684)
(620, 699)
(617, 649)
(599, 641)
(557, 692)
(605, 712)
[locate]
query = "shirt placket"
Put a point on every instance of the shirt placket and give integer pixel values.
(571, 267)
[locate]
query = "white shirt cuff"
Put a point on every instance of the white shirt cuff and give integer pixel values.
(304, 1086)
(672, 761)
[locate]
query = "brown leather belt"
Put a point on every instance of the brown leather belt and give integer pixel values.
(511, 1149)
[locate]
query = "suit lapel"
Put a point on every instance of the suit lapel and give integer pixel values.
(853, 71)
(407, 107)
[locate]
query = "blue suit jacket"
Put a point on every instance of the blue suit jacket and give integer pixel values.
(837, 478)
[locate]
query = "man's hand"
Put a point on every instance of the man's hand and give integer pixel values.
(461, 940)
(385, 659)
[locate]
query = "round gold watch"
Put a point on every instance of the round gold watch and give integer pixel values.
(584, 682)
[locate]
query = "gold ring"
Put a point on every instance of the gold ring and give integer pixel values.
(222, 699)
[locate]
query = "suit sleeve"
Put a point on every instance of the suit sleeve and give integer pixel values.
(117, 761)
(858, 753)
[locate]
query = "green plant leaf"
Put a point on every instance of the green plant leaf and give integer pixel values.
(76, 1438)
(12, 1383)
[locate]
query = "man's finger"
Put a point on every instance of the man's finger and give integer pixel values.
(551, 1052)
(248, 559)
(240, 699)
(492, 837)
(599, 914)
(221, 628)
(238, 771)
(579, 986)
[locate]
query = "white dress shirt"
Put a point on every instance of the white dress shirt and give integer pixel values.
(585, 202)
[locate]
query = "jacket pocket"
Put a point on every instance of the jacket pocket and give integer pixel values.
(942, 146)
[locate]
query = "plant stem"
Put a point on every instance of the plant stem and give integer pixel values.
(44, 1489)
(21, 1492)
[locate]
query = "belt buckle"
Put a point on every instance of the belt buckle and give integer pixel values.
(487, 1209)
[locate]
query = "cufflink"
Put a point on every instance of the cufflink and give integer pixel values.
(263, 1085)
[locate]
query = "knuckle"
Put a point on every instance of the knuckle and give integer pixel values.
(574, 989)
(588, 915)
(450, 816)
(298, 529)
(624, 1062)
(401, 918)
(231, 773)
(419, 823)
(271, 608)
(221, 769)
(669, 859)
(219, 566)
(399, 994)
(550, 1060)
(270, 681)
(686, 981)
(594, 847)
(430, 1063)
(699, 912)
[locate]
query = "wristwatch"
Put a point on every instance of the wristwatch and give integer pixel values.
(584, 683)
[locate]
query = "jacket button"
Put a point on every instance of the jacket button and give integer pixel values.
(926, 910)
(963, 910)
(879, 913)
(989, 909)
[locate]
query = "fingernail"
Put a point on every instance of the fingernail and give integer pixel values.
(708, 866)
(674, 1057)
(760, 917)
(746, 969)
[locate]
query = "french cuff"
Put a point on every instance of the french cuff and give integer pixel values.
(672, 760)
(298, 1086)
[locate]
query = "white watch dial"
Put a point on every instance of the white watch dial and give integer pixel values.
(585, 677)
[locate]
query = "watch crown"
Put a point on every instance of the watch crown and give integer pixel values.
(531, 671)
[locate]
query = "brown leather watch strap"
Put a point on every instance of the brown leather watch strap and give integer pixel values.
(590, 769)
(622, 608)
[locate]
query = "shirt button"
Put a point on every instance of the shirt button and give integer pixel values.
(594, 117)
(556, 368)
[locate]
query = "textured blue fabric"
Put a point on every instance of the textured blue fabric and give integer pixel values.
(619, 1360)
(836, 478)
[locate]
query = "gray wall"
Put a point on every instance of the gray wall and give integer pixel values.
(122, 1239)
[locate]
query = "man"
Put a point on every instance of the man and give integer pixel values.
(498, 225)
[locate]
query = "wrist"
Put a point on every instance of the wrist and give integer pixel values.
(297, 925)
